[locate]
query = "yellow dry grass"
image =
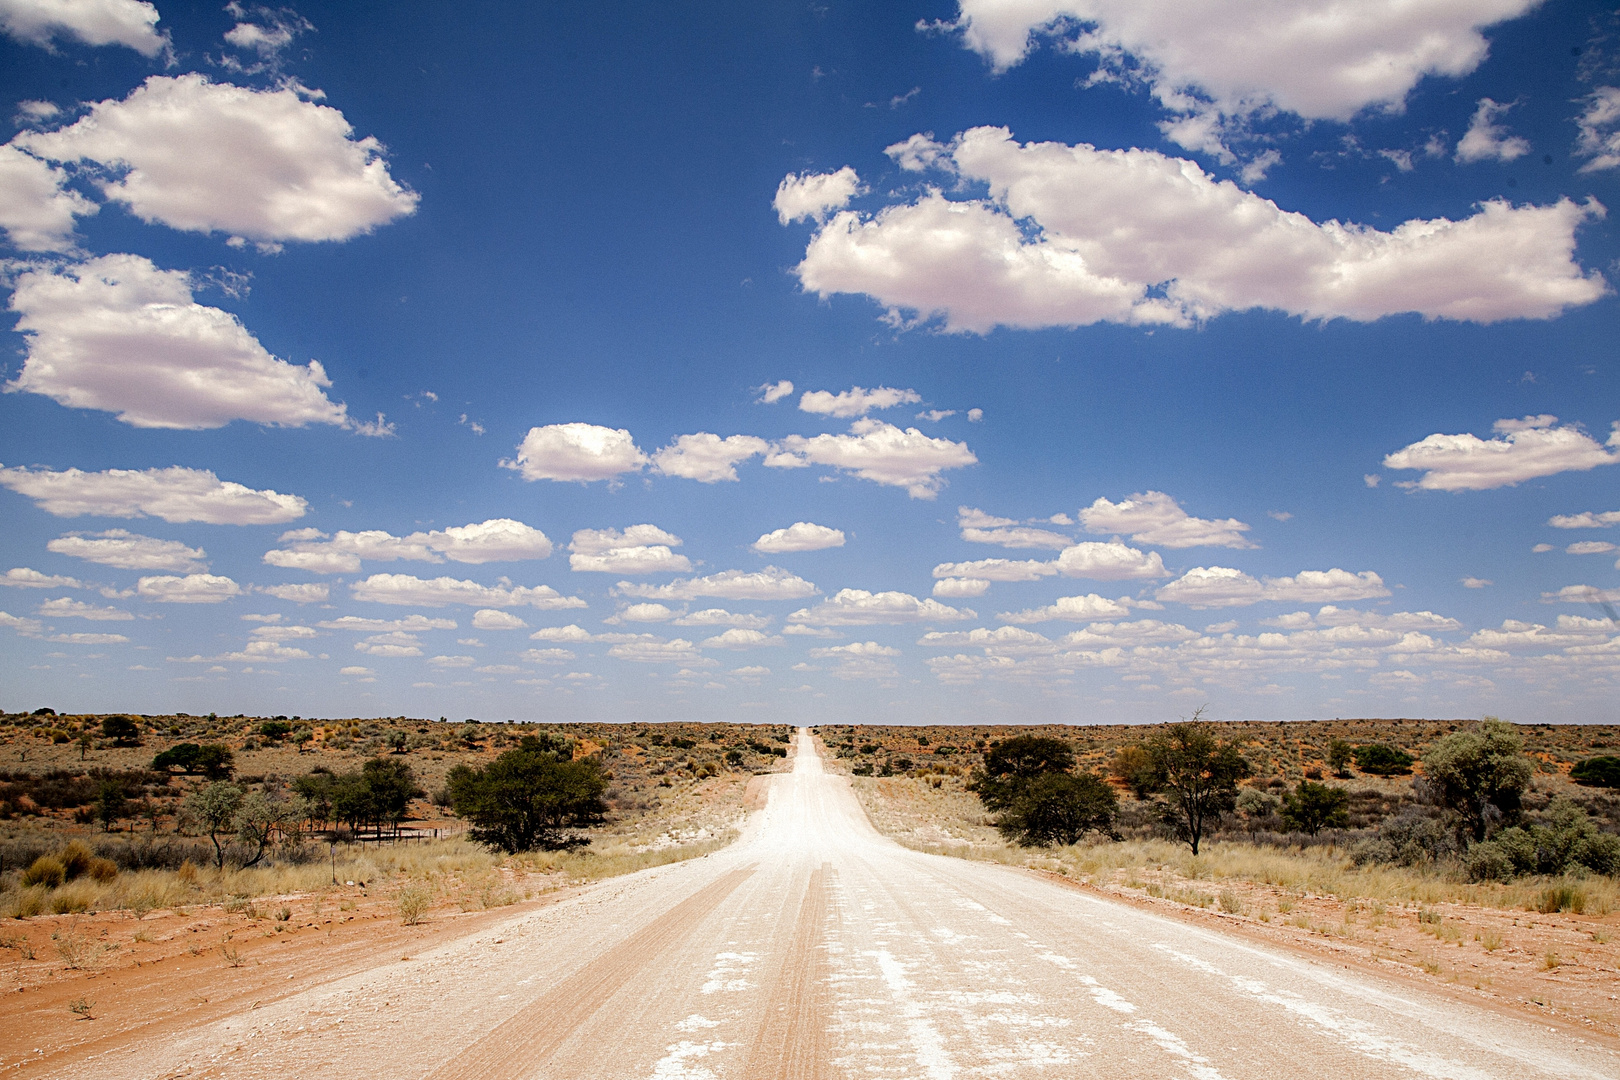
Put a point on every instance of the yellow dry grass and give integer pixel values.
(951, 822)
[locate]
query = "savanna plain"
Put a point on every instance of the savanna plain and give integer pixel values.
(282, 896)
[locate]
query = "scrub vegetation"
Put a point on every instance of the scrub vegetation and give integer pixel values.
(142, 813)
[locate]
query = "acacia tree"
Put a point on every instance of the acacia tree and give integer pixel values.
(530, 797)
(1010, 766)
(1027, 780)
(1059, 808)
(1198, 774)
(213, 807)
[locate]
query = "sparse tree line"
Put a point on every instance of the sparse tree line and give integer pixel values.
(1470, 799)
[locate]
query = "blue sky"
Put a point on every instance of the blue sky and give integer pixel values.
(1141, 356)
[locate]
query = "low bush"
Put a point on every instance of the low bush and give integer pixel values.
(44, 871)
(1597, 772)
(1311, 807)
(1569, 841)
(1380, 759)
(1411, 838)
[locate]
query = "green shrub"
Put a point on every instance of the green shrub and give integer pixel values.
(1480, 774)
(1380, 759)
(1570, 841)
(1310, 808)
(1597, 772)
(121, 730)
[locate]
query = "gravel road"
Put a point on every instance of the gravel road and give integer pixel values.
(815, 948)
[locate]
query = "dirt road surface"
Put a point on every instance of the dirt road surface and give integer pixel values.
(815, 948)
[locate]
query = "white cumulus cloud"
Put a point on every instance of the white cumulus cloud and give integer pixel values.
(437, 592)
(1074, 235)
(23, 577)
(411, 624)
(707, 458)
(67, 608)
(1213, 65)
(492, 619)
(960, 588)
(1486, 140)
(1599, 125)
(582, 452)
(131, 23)
(1585, 520)
(676, 651)
(495, 540)
(120, 335)
(92, 639)
(721, 617)
(20, 624)
(856, 401)
(771, 583)
(771, 393)
(1070, 609)
(979, 527)
(1111, 561)
(997, 569)
(1523, 450)
(879, 452)
(1153, 517)
(858, 607)
(266, 165)
(739, 638)
(812, 195)
(175, 494)
(639, 549)
(1204, 587)
(190, 589)
(1003, 639)
(800, 536)
(296, 594)
(36, 211)
(129, 551)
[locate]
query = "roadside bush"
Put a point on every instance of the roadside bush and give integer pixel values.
(1311, 807)
(1380, 759)
(1059, 808)
(1597, 772)
(44, 871)
(1480, 774)
(1410, 838)
(1569, 841)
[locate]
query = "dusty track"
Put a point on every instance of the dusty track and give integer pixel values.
(815, 948)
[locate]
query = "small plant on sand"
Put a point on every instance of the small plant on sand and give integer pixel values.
(81, 1007)
(413, 901)
(232, 955)
(76, 950)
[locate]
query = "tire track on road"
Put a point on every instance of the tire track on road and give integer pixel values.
(523, 1044)
(792, 1041)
